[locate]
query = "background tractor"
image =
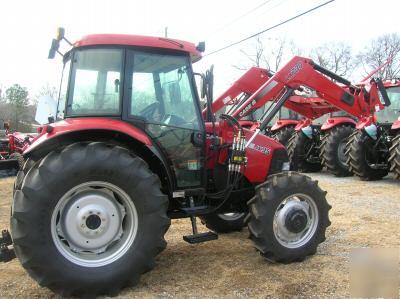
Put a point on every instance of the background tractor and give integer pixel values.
(373, 149)
(12, 146)
(129, 151)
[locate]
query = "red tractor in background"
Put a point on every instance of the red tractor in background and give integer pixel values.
(130, 151)
(374, 148)
(12, 145)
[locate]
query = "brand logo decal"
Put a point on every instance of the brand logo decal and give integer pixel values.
(262, 149)
(294, 70)
(247, 108)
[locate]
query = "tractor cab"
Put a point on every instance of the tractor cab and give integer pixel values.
(119, 77)
(391, 113)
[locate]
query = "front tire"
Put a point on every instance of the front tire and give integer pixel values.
(394, 158)
(301, 151)
(283, 135)
(224, 223)
(362, 158)
(288, 217)
(89, 220)
(333, 149)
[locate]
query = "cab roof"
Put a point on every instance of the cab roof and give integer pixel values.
(139, 41)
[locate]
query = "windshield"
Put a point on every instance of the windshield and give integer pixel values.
(391, 113)
(95, 82)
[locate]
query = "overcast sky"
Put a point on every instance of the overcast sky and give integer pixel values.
(27, 27)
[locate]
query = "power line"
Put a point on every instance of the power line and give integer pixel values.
(241, 16)
(270, 28)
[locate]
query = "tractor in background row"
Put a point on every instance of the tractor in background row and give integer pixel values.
(373, 149)
(12, 146)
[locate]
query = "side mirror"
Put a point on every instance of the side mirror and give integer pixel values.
(55, 44)
(46, 110)
(60, 33)
(201, 47)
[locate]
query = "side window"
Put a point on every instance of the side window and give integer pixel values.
(96, 82)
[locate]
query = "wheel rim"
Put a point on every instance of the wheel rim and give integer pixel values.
(301, 211)
(231, 216)
(94, 224)
(342, 154)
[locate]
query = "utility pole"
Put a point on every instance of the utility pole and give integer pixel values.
(166, 32)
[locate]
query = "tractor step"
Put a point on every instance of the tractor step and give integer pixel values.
(6, 254)
(202, 237)
(197, 237)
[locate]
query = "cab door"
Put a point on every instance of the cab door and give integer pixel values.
(160, 97)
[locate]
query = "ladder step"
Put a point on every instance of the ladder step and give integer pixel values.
(198, 238)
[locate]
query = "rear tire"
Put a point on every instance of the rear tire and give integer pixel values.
(283, 135)
(357, 151)
(298, 146)
(224, 223)
(90, 177)
(278, 236)
(333, 150)
(394, 158)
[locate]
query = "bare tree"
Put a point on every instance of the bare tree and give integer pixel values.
(46, 90)
(260, 55)
(334, 56)
(378, 52)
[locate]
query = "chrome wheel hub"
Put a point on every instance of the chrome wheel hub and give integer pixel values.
(231, 216)
(295, 220)
(94, 223)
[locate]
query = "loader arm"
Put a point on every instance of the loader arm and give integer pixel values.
(299, 72)
(241, 89)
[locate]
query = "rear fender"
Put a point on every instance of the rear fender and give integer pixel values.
(302, 124)
(335, 121)
(365, 122)
(284, 123)
(117, 132)
(396, 125)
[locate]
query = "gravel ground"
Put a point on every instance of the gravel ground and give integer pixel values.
(364, 214)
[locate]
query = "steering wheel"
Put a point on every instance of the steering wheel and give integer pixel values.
(171, 119)
(149, 111)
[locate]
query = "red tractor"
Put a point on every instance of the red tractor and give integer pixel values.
(130, 151)
(12, 146)
(374, 148)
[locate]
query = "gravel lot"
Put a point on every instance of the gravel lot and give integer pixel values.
(364, 214)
